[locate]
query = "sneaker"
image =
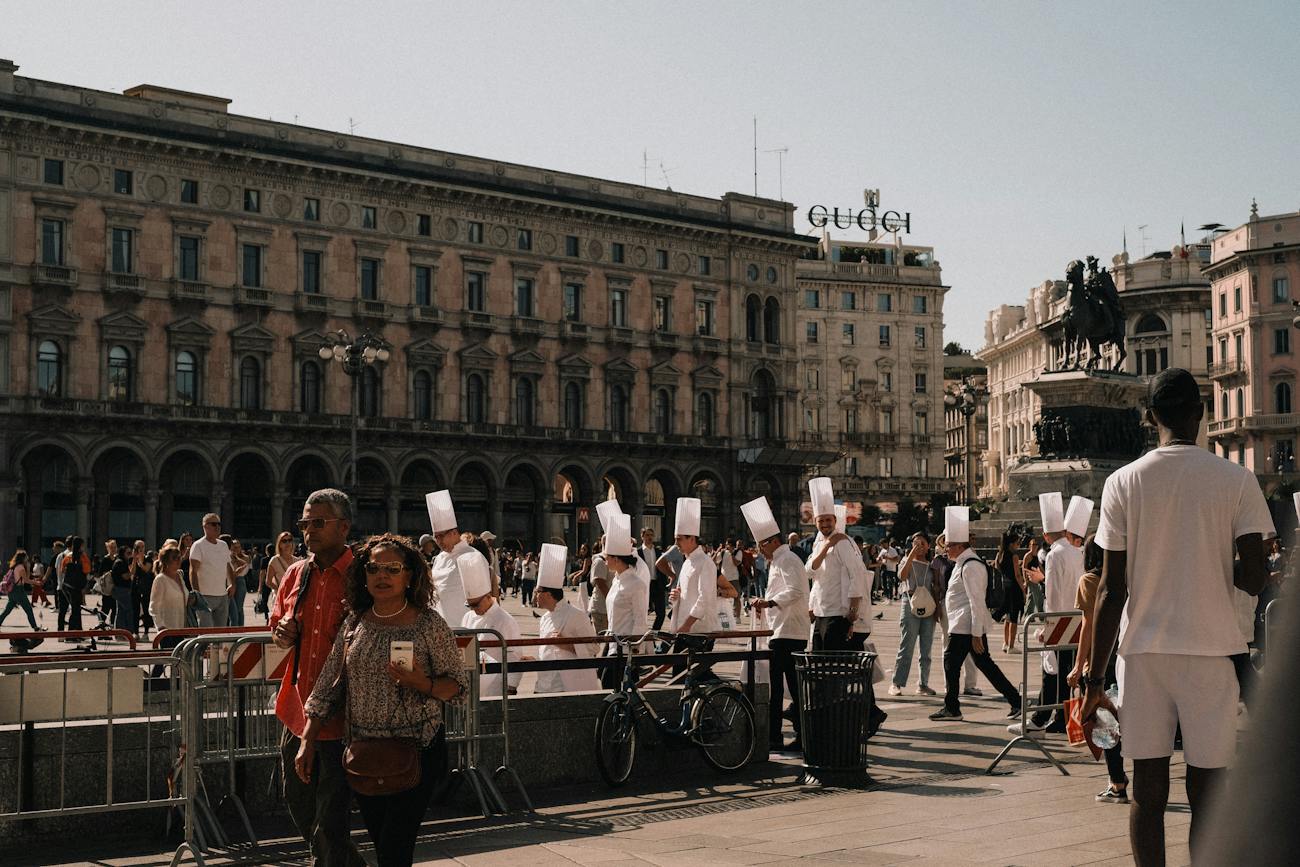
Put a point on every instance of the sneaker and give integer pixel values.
(945, 714)
(1014, 712)
(972, 690)
(1112, 796)
(925, 690)
(895, 689)
(1016, 729)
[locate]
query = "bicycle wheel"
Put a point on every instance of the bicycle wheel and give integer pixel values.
(616, 740)
(722, 726)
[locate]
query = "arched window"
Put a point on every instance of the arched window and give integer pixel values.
(250, 383)
(573, 406)
(753, 319)
(1224, 402)
(49, 369)
(663, 412)
(119, 373)
(524, 402)
(1150, 323)
(475, 400)
(762, 406)
(369, 399)
(704, 414)
(187, 378)
(772, 321)
(1241, 403)
(618, 408)
(309, 387)
(422, 395)
(1282, 397)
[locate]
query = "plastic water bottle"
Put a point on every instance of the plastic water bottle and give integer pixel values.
(1105, 734)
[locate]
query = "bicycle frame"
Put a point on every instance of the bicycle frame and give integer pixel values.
(640, 705)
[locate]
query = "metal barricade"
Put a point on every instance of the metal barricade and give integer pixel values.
(470, 733)
(1272, 619)
(1060, 631)
(72, 634)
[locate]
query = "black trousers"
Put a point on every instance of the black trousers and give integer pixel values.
(782, 676)
(393, 821)
(319, 809)
(70, 601)
(1055, 689)
(659, 602)
(1115, 755)
(831, 633)
(954, 654)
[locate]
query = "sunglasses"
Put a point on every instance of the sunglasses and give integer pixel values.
(314, 523)
(393, 569)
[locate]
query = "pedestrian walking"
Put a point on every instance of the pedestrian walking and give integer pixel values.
(281, 559)
(834, 567)
(916, 622)
(1007, 564)
(240, 564)
(528, 578)
(122, 570)
(39, 577)
(14, 586)
(76, 576)
(211, 573)
(658, 581)
(941, 573)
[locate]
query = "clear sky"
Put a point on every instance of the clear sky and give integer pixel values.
(1019, 135)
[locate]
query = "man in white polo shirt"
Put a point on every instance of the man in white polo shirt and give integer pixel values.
(211, 573)
(1168, 524)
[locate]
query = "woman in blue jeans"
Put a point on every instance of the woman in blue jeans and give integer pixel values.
(913, 574)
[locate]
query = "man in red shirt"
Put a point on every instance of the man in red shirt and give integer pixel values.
(305, 618)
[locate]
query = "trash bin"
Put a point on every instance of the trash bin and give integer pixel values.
(835, 702)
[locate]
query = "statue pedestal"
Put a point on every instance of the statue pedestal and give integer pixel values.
(1089, 426)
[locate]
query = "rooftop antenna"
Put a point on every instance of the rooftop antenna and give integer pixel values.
(645, 167)
(1145, 237)
(780, 173)
(755, 156)
(664, 172)
(352, 126)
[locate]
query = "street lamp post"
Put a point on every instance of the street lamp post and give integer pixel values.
(354, 356)
(966, 399)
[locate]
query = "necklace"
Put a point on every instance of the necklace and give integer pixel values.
(1177, 442)
(375, 611)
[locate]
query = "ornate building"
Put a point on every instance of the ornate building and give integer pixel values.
(870, 336)
(169, 272)
(961, 456)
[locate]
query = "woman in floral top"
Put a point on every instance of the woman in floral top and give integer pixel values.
(390, 598)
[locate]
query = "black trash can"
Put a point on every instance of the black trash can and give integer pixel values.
(835, 702)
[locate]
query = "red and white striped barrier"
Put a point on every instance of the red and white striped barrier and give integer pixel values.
(246, 663)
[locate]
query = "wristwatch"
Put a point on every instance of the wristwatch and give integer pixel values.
(1095, 681)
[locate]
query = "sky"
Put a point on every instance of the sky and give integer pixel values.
(1018, 135)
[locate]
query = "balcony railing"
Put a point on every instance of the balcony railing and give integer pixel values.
(479, 320)
(526, 326)
(664, 339)
(54, 275)
(311, 302)
(130, 283)
(573, 330)
(869, 440)
(427, 314)
(188, 290)
(253, 296)
(1273, 421)
(1224, 369)
(366, 308)
(706, 343)
(1224, 427)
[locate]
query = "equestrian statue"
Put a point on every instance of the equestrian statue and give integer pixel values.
(1095, 316)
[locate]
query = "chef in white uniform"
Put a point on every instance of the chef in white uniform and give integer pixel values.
(597, 604)
(446, 576)
(785, 612)
(485, 613)
(862, 579)
(837, 573)
(695, 598)
(629, 596)
(562, 620)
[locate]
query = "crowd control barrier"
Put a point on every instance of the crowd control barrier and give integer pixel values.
(465, 727)
(72, 635)
(1060, 631)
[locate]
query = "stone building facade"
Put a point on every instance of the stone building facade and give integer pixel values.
(169, 272)
(870, 337)
(962, 455)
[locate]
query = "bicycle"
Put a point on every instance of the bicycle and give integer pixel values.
(715, 716)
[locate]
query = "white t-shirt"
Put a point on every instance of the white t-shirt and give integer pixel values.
(208, 562)
(1177, 511)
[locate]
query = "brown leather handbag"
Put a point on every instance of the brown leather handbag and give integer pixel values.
(377, 766)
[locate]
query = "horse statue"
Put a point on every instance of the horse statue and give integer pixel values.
(1095, 316)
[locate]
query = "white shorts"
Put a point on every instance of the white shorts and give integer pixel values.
(1159, 691)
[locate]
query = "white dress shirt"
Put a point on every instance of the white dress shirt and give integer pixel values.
(697, 584)
(964, 602)
(787, 587)
(567, 622)
(628, 599)
(1060, 581)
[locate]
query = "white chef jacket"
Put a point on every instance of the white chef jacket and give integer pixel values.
(862, 582)
(787, 586)
(964, 602)
(446, 581)
(729, 570)
(628, 599)
(698, 583)
(567, 622)
(836, 580)
(1060, 581)
(496, 618)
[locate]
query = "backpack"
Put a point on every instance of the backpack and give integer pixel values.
(74, 575)
(104, 584)
(7, 585)
(995, 589)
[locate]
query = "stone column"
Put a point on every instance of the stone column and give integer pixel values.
(151, 495)
(278, 522)
(392, 504)
(216, 500)
(9, 529)
(84, 487)
(495, 521)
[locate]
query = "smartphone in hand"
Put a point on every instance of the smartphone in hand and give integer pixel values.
(402, 653)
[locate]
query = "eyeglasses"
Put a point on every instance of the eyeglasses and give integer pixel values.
(212, 523)
(314, 523)
(393, 569)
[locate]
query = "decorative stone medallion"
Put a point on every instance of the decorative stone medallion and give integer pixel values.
(219, 196)
(155, 187)
(396, 222)
(500, 236)
(548, 243)
(450, 229)
(640, 256)
(340, 213)
(595, 250)
(281, 205)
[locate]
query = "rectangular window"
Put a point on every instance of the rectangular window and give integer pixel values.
(851, 467)
(704, 318)
(810, 332)
(923, 467)
(476, 291)
(369, 218)
(123, 251)
(524, 296)
(663, 313)
(189, 192)
(1281, 290)
(847, 375)
(661, 260)
(886, 467)
(887, 421)
(1223, 304)
(573, 302)
(886, 381)
(704, 265)
(850, 420)
(189, 258)
(423, 225)
(423, 279)
(884, 303)
(52, 242)
(618, 308)
(920, 336)
(476, 232)
(920, 304)
(848, 301)
(54, 172)
(524, 240)
(571, 246)
(812, 299)
(1236, 345)
(1236, 299)
(850, 337)
(1223, 349)
(920, 383)
(1282, 341)
(311, 260)
(252, 262)
(253, 201)
(370, 279)
(922, 423)
(311, 210)
(884, 335)
(616, 253)
(814, 378)
(123, 183)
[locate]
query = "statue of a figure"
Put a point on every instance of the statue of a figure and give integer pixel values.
(1095, 315)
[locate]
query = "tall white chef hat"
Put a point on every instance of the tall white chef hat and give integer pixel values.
(1296, 497)
(758, 515)
(605, 511)
(551, 565)
(841, 519)
(618, 535)
(687, 520)
(1052, 512)
(442, 515)
(475, 574)
(822, 495)
(956, 524)
(1078, 515)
